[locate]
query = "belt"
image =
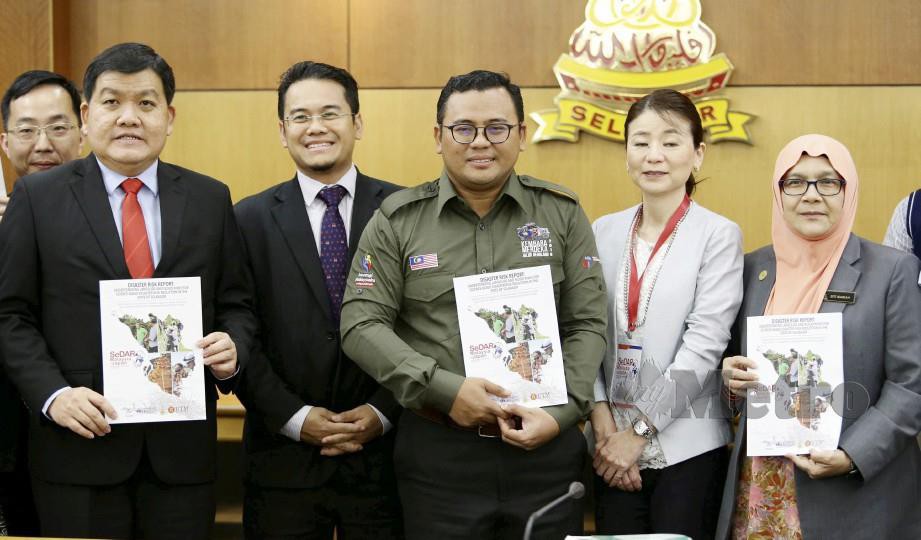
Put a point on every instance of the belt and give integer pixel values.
(491, 431)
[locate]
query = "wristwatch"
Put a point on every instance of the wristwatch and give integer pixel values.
(644, 430)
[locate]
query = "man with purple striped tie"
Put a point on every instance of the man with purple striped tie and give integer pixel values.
(318, 436)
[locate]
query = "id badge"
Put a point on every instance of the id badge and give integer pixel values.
(629, 357)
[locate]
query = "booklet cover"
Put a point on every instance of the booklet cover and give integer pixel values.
(151, 370)
(800, 364)
(510, 334)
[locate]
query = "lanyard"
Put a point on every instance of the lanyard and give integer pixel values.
(636, 282)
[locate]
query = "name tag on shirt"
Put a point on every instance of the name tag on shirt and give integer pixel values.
(841, 297)
(629, 358)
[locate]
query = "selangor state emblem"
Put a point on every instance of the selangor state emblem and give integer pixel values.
(624, 50)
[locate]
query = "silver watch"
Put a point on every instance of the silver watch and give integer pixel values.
(641, 428)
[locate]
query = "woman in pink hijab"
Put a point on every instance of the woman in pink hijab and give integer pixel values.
(870, 486)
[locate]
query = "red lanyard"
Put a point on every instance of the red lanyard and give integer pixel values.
(636, 282)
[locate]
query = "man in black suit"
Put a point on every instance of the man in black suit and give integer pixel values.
(318, 439)
(63, 232)
(41, 130)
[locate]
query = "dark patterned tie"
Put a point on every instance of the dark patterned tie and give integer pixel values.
(334, 250)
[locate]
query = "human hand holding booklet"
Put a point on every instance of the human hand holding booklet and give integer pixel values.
(510, 334)
(151, 369)
(800, 369)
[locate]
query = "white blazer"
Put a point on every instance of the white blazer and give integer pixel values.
(688, 323)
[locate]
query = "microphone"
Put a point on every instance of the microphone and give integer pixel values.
(576, 491)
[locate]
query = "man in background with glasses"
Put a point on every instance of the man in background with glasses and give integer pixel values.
(41, 123)
(318, 440)
(466, 466)
(41, 129)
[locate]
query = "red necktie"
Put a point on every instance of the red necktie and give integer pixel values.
(134, 232)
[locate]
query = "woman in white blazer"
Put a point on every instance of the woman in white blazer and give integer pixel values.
(673, 270)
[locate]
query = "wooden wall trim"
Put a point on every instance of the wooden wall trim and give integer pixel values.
(240, 44)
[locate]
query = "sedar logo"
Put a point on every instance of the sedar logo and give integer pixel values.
(624, 50)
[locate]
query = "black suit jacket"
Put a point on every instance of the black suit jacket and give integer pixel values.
(58, 240)
(298, 360)
(11, 424)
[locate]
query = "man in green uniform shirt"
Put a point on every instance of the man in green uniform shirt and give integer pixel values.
(466, 466)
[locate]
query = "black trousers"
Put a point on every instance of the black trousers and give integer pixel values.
(142, 507)
(456, 484)
(683, 498)
(350, 504)
(16, 504)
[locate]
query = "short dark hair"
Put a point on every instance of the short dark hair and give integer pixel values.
(30, 80)
(668, 101)
(317, 70)
(479, 80)
(129, 58)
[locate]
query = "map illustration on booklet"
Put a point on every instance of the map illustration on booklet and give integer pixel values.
(152, 371)
(510, 335)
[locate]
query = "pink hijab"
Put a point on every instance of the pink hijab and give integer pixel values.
(805, 267)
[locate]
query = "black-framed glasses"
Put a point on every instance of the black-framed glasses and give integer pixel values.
(825, 187)
(494, 133)
(324, 118)
(28, 133)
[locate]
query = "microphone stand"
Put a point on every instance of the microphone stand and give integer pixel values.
(576, 491)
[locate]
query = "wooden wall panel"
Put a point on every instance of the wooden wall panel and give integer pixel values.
(419, 43)
(236, 44)
(881, 125)
(828, 42)
(25, 43)
(211, 44)
(232, 136)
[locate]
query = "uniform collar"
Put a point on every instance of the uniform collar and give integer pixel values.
(513, 188)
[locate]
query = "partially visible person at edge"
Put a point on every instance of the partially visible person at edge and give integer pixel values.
(870, 486)
(41, 123)
(674, 278)
(904, 231)
(41, 130)
(465, 467)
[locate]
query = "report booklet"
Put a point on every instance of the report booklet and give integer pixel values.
(510, 334)
(800, 368)
(151, 369)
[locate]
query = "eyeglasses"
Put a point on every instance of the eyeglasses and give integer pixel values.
(494, 133)
(324, 118)
(27, 133)
(825, 187)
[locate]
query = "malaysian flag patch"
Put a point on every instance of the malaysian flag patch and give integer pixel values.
(588, 262)
(418, 262)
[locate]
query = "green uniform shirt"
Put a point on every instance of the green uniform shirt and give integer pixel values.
(400, 324)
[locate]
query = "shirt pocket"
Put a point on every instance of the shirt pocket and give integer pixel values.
(429, 310)
(436, 287)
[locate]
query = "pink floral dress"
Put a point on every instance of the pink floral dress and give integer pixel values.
(766, 501)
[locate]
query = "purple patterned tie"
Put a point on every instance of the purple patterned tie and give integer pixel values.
(334, 250)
